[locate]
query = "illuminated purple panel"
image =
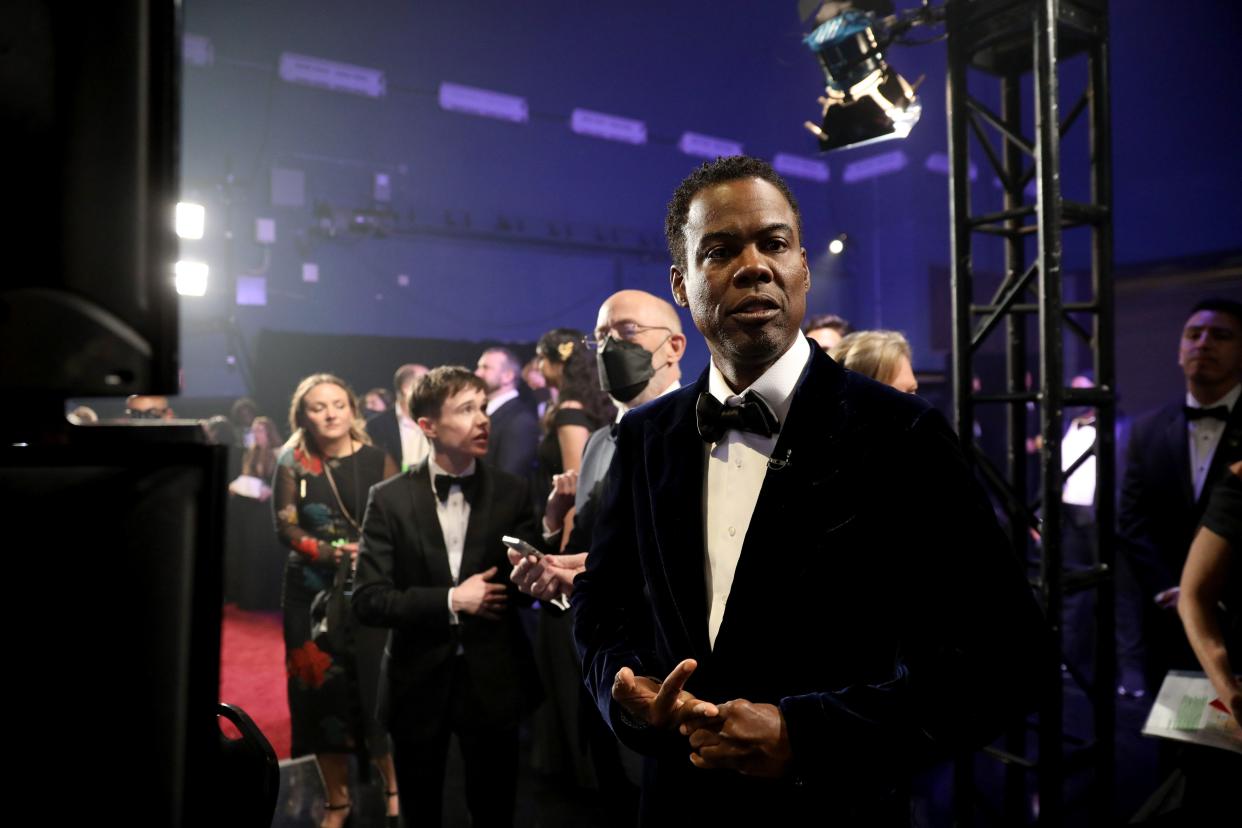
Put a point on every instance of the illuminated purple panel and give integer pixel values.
(252, 290)
(705, 146)
(876, 165)
(938, 162)
(197, 50)
(333, 75)
(608, 127)
(471, 100)
(795, 165)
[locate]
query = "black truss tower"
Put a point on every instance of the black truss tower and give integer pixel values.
(1007, 41)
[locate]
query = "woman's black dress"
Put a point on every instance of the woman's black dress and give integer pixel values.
(327, 716)
(561, 735)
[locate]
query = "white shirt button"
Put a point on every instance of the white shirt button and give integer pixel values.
(732, 531)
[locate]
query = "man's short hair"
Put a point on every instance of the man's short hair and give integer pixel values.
(731, 168)
(437, 385)
(403, 374)
(830, 321)
(512, 363)
(1219, 304)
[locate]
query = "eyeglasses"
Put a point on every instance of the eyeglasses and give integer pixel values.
(626, 331)
(146, 413)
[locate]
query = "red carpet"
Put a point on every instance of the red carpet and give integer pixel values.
(252, 672)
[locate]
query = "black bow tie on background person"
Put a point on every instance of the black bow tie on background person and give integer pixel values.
(1220, 412)
(714, 418)
(469, 484)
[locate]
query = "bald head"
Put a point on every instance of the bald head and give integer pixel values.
(638, 306)
(652, 323)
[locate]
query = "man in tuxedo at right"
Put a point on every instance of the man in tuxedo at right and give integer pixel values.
(1174, 459)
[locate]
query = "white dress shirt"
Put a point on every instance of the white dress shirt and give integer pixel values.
(500, 400)
(1204, 436)
(454, 515)
(414, 445)
(1079, 488)
(736, 467)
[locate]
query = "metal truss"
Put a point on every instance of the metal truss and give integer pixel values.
(1006, 42)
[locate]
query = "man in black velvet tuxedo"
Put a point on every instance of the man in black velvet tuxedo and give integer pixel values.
(514, 438)
(1175, 457)
(826, 598)
(429, 567)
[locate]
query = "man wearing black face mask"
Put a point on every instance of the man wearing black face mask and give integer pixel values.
(639, 344)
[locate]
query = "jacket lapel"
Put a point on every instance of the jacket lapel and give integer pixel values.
(474, 552)
(675, 458)
(427, 524)
(1177, 443)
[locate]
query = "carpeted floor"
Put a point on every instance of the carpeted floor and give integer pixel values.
(252, 672)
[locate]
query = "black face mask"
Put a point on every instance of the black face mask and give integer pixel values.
(624, 368)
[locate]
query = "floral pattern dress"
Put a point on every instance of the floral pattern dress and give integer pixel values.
(328, 707)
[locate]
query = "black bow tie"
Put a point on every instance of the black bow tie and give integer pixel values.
(714, 418)
(1220, 412)
(469, 484)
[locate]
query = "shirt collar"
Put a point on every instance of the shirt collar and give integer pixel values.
(1229, 400)
(775, 386)
(500, 399)
(622, 409)
(436, 471)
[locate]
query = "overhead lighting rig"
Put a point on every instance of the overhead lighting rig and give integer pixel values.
(865, 100)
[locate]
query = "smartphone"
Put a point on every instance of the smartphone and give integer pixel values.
(519, 545)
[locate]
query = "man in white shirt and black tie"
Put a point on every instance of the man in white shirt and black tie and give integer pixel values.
(796, 593)
(1174, 459)
(432, 567)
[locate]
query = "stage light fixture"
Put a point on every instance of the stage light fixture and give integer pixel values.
(190, 220)
(837, 246)
(865, 100)
(191, 278)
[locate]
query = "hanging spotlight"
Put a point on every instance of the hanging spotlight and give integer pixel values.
(191, 278)
(190, 219)
(837, 246)
(865, 100)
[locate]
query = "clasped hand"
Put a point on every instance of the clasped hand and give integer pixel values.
(477, 595)
(737, 735)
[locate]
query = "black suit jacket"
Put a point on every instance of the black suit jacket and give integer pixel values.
(514, 438)
(1159, 512)
(386, 434)
(875, 600)
(403, 582)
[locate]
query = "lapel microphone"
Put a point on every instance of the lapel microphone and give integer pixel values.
(777, 465)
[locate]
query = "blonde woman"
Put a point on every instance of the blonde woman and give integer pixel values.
(882, 355)
(320, 489)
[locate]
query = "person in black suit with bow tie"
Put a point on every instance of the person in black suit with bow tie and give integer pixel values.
(831, 599)
(429, 567)
(1175, 457)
